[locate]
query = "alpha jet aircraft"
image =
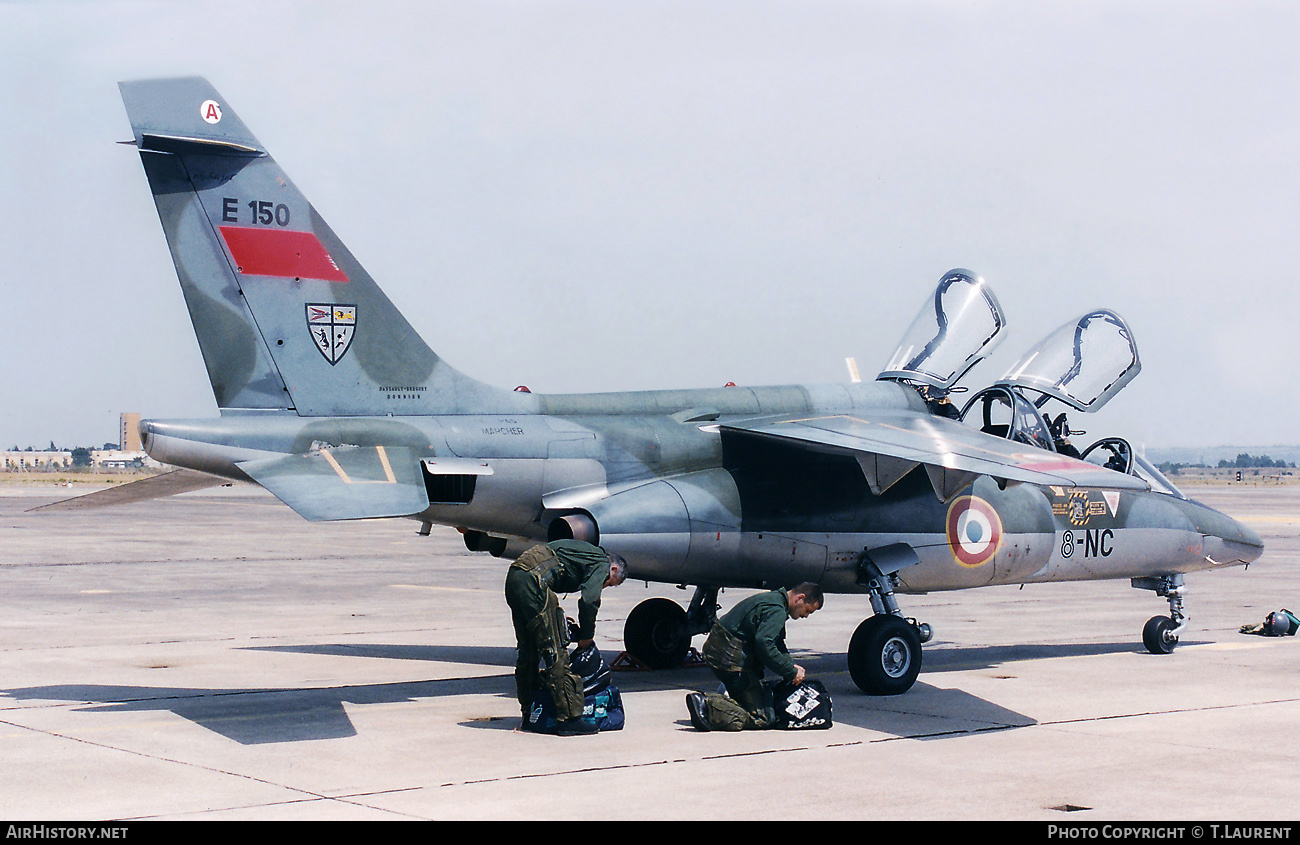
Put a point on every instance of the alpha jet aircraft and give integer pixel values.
(330, 400)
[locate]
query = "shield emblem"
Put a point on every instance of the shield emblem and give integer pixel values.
(332, 328)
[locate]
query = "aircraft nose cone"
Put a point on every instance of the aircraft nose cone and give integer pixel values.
(1227, 541)
(1242, 546)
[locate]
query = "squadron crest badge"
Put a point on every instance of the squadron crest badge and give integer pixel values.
(1082, 508)
(332, 328)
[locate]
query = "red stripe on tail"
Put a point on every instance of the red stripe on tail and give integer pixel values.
(278, 252)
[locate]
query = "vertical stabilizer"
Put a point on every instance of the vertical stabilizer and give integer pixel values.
(285, 316)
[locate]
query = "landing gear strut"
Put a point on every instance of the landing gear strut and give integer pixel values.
(1160, 634)
(885, 651)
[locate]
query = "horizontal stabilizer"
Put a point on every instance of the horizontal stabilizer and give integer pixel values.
(952, 453)
(195, 146)
(350, 482)
(153, 487)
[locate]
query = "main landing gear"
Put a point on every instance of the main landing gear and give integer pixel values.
(658, 631)
(1160, 634)
(885, 651)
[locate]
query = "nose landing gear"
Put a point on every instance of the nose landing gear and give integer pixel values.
(1160, 634)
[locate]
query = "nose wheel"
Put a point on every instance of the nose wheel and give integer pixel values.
(1160, 634)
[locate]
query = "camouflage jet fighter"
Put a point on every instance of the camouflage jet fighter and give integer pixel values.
(332, 402)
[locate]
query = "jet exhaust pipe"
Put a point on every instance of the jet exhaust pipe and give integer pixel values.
(574, 526)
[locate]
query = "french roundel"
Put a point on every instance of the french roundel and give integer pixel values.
(974, 531)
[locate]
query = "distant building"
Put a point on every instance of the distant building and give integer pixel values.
(130, 453)
(28, 461)
(50, 461)
(129, 438)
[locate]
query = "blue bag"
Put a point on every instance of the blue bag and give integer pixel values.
(602, 704)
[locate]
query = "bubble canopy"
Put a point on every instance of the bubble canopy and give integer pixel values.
(1083, 363)
(956, 328)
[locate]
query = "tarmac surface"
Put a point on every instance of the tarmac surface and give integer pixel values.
(214, 656)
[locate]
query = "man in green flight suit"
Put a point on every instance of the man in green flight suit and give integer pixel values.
(746, 640)
(541, 631)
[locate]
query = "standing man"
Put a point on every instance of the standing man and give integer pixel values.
(541, 631)
(743, 643)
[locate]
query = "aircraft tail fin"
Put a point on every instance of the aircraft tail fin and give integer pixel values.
(286, 317)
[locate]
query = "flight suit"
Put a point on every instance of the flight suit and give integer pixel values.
(743, 643)
(541, 631)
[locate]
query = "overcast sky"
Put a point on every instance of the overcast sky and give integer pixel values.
(637, 195)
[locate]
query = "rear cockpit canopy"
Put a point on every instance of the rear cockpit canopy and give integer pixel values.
(956, 328)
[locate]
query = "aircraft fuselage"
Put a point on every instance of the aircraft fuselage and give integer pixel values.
(688, 503)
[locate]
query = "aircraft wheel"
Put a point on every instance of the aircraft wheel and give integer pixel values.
(885, 655)
(1157, 635)
(655, 633)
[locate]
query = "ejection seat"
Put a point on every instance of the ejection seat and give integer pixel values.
(1112, 453)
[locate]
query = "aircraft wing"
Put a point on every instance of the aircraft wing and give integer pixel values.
(153, 487)
(890, 444)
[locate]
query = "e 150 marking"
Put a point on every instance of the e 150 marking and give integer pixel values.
(261, 212)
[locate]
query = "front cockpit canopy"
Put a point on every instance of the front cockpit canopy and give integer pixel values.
(957, 327)
(1083, 363)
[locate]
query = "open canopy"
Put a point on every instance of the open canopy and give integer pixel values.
(957, 327)
(1083, 363)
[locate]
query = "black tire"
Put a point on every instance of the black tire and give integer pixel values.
(655, 633)
(885, 655)
(1156, 635)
